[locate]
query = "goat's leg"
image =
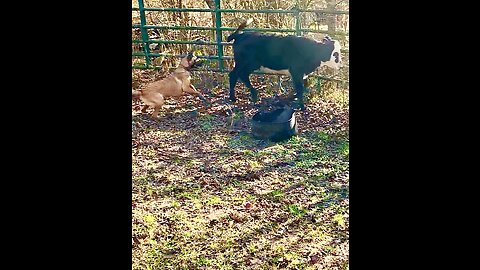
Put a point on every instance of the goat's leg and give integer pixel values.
(244, 77)
(233, 77)
(298, 84)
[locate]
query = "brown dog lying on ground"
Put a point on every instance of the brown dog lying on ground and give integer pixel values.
(176, 84)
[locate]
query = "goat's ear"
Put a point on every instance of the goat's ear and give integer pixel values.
(189, 56)
(327, 40)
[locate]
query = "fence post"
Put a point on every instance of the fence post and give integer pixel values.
(319, 86)
(143, 22)
(218, 24)
(297, 19)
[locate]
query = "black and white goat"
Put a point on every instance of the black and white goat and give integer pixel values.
(288, 55)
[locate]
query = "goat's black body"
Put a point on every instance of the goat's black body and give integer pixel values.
(299, 55)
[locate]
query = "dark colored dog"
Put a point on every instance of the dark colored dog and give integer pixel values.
(287, 55)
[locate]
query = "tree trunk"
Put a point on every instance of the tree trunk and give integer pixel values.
(331, 18)
(183, 17)
(211, 5)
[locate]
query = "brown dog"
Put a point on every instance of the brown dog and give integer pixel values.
(176, 84)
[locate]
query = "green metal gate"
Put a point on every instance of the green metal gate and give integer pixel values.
(145, 41)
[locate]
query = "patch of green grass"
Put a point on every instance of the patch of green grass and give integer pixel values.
(292, 257)
(192, 163)
(277, 194)
(322, 152)
(223, 262)
(149, 219)
(278, 152)
(338, 218)
(296, 141)
(170, 244)
(306, 163)
(177, 160)
(292, 197)
(178, 215)
(153, 258)
(202, 261)
(214, 200)
(232, 186)
(224, 152)
(253, 164)
(194, 194)
(187, 234)
(343, 148)
(227, 188)
(251, 248)
(322, 136)
(316, 233)
(197, 202)
(237, 183)
(310, 158)
(295, 210)
(206, 126)
(206, 123)
(251, 197)
(317, 177)
(240, 141)
(140, 180)
(237, 115)
(249, 153)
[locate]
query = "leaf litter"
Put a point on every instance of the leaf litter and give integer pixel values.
(206, 195)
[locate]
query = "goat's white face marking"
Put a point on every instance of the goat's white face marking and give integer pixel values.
(335, 61)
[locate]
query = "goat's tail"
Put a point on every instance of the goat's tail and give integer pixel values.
(240, 28)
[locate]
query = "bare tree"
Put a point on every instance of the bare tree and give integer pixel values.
(331, 19)
(211, 5)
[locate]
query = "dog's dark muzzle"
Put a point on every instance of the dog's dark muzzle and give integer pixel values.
(197, 63)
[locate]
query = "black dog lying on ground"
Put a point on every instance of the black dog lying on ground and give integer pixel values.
(287, 55)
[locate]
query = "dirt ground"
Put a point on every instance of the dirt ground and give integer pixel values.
(207, 195)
